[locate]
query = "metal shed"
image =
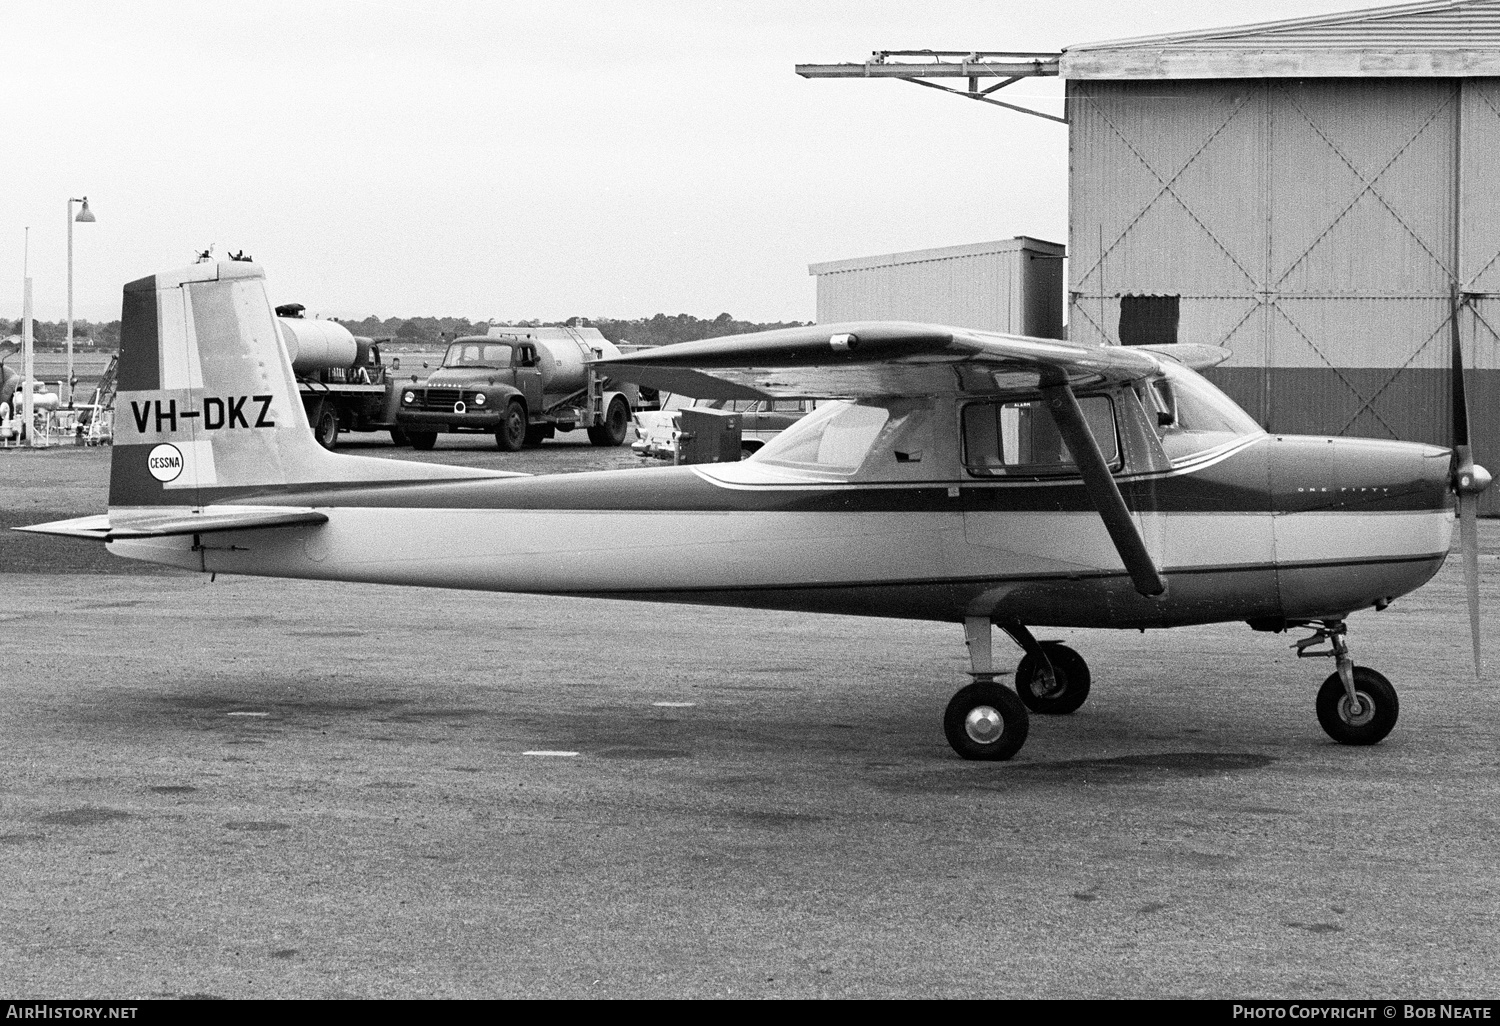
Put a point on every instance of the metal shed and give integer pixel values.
(1319, 195)
(1014, 285)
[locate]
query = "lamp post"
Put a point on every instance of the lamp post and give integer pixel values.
(85, 215)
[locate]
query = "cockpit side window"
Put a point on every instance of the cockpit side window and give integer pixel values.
(1022, 439)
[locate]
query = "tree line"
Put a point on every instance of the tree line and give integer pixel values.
(102, 334)
(658, 330)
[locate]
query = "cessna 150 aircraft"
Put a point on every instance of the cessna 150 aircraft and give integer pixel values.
(972, 477)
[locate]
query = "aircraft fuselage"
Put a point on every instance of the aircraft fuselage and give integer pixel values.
(1269, 528)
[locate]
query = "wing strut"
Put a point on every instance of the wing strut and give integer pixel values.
(1103, 492)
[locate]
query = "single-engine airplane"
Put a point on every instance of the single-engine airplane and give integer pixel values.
(974, 477)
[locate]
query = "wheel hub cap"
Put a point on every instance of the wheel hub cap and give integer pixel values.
(1357, 717)
(984, 724)
(1048, 684)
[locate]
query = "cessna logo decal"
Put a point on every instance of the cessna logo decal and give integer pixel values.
(165, 462)
(218, 412)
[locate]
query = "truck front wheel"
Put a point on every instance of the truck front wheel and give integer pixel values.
(510, 435)
(616, 420)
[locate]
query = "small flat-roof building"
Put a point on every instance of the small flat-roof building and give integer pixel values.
(1319, 195)
(1013, 285)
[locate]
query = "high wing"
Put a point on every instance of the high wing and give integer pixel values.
(868, 359)
(159, 523)
(865, 359)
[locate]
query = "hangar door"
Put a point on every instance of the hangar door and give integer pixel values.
(1325, 230)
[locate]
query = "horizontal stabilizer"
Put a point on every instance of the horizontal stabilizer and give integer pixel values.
(95, 527)
(163, 523)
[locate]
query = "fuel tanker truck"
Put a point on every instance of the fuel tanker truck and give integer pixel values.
(343, 383)
(523, 385)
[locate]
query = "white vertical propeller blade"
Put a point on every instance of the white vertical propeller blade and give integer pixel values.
(1468, 527)
(1469, 482)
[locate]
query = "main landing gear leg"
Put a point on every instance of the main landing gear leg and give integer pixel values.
(1356, 705)
(1052, 679)
(985, 720)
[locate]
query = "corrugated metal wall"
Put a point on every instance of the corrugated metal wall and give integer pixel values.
(1014, 286)
(1318, 228)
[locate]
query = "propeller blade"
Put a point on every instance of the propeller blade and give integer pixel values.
(1468, 529)
(1460, 435)
(1469, 481)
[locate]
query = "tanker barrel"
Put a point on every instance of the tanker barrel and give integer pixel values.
(319, 345)
(565, 360)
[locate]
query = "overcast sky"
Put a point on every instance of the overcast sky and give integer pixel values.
(512, 160)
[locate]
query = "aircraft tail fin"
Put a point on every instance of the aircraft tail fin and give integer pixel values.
(207, 408)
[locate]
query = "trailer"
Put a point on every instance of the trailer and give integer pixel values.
(344, 384)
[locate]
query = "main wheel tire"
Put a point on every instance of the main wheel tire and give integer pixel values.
(325, 425)
(1068, 689)
(510, 435)
(986, 722)
(1378, 708)
(399, 437)
(616, 421)
(423, 440)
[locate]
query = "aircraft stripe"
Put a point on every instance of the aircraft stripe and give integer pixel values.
(1220, 489)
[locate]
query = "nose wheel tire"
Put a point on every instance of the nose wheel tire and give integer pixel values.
(422, 440)
(1371, 722)
(1064, 692)
(986, 722)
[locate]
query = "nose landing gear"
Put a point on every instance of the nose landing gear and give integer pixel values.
(1356, 705)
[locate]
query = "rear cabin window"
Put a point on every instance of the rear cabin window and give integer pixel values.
(833, 439)
(1021, 438)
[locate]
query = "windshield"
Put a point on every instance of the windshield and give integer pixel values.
(834, 439)
(1193, 415)
(477, 354)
